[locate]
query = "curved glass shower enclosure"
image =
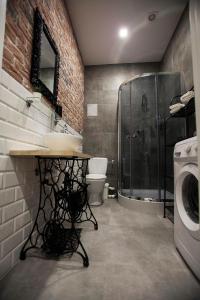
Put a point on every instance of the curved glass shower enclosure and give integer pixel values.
(143, 104)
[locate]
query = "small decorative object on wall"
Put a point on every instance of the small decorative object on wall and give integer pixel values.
(45, 61)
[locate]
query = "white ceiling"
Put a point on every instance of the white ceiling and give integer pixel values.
(96, 24)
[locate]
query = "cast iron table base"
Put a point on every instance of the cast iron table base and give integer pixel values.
(62, 203)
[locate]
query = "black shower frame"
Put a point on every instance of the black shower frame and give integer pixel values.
(159, 124)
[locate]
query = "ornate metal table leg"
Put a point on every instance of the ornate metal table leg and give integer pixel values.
(84, 255)
(79, 174)
(63, 197)
(31, 241)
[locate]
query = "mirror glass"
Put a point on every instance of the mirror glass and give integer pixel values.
(47, 63)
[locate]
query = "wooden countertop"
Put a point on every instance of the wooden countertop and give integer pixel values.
(48, 153)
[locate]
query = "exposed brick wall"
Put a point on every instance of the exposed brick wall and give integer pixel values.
(18, 49)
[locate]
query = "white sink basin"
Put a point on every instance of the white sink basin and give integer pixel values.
(63, 142)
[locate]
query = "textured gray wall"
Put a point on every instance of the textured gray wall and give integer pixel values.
(178, 56)
(101, 87)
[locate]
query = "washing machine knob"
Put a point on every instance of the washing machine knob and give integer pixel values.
(188, 149)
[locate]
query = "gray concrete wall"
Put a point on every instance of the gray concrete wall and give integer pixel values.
(178, 56)
(101, 87)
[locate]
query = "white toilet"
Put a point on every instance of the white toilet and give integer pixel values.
(97, 167)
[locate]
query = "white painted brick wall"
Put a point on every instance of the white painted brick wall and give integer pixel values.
(23, 191)
(7, 196)
(17, 133)
(20, 128)
(6, 163)
(27, 230)
(12, 210)
(16, 253)
(22, 220)
(2, 146)
(12, 242)
(6, 230)
(13, 179)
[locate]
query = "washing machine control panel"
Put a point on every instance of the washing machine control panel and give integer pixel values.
(187, 148)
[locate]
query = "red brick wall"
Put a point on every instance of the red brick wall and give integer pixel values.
(18, 49)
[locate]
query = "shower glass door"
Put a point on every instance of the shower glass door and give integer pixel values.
(143, 107)
(144, 149)
(125, 141)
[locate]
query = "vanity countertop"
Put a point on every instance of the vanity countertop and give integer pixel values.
(48, 153)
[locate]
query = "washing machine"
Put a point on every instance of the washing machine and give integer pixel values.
(186, 207)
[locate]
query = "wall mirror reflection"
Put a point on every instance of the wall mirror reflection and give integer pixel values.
(47, 63)
(45, 60)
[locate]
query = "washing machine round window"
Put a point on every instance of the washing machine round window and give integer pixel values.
(187, 199)
(190, 194)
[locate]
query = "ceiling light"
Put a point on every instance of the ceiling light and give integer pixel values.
(123, 32)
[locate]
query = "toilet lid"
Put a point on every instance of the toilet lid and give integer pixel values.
(96, 176)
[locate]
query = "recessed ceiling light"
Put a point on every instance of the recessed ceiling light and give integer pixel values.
(123, 32)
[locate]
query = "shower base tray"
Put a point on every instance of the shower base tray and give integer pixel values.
(140, 205)
(152, 194)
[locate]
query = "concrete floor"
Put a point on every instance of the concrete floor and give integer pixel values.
(132, 257)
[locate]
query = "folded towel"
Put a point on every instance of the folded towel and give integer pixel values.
(177, 105)
(175, 109)
(187, 97)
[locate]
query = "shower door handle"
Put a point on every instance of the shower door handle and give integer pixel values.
(135, 135)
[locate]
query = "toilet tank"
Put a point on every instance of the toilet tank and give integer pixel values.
(98, 165)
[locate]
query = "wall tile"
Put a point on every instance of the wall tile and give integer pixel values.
(12, 210)
(13, 179)
(22, 220)
(20, 119)
(12, 242)
(6, 230)
(2, 146)
(23, 191)
(7, 196)
(13, 132)
(6, 163)
(27, 229)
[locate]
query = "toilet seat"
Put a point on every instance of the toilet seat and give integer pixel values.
(95, 176)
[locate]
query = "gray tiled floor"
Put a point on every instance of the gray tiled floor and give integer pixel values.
(132, 257)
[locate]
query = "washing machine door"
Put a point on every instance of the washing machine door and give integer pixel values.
(187, 198)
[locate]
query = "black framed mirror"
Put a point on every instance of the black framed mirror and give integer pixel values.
(45, 61)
